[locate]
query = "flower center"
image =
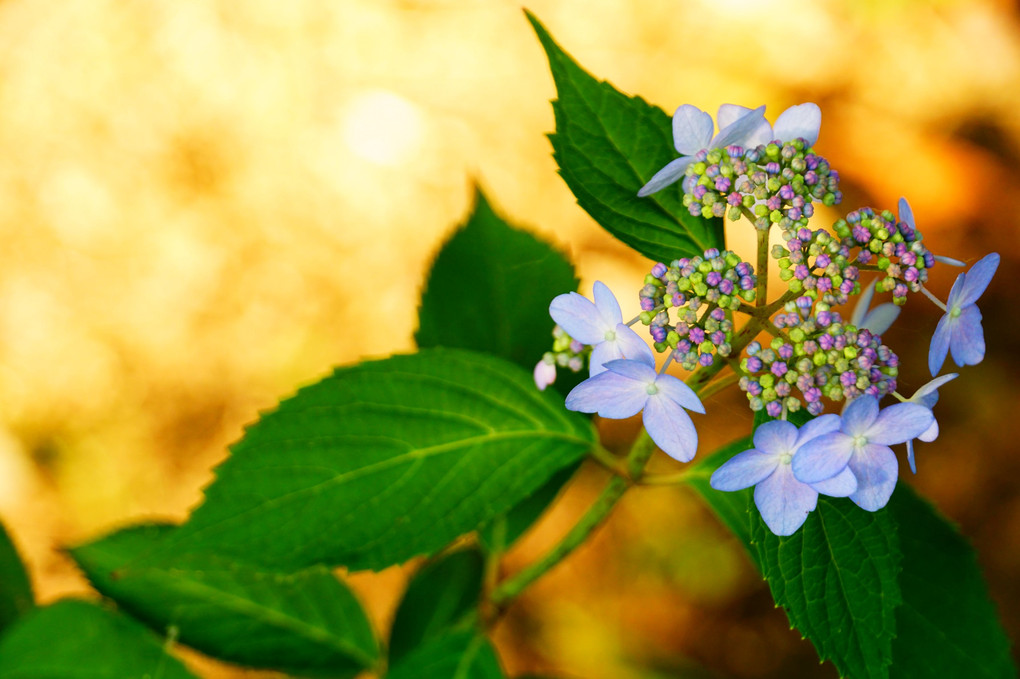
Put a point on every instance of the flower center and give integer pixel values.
(610, 335)
(651, 389)
(955, 312)
(785, 458)
(860, 441)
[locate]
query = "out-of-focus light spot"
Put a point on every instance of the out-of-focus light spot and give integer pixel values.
(383, 127)
(16, 479)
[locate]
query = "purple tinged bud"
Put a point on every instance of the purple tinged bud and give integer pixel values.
(753, 364)
(647, 304)
(659, 270)
(699, 191)
(658, 333)
(718, 338)
(786, 192)
(747, 283)
(722, 184)
(753, 348)
(782, 389)
(735, 199)
(683, 346)
(815, 408)
(711, 253)
(697, 335)
(754, 388)
(824, 320)
(718, 315)
(772, 168)
(826, 342)
(713, 278)
(774, 409)
(678, 299)
(576, 347)
(706, 360)
(785, 352)
(778, 368)
(848, 379)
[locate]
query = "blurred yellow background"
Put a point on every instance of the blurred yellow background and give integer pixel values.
(206, 204)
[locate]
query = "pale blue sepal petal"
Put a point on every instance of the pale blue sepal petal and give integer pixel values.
(803, 121)
(746, 131)
(823, 457)
(876, 470)
(671, 428)
(602, 353)
(863, 302)
(608, 394)
(929, 434)
(824, 424)
(692, 129)
(910, 456)
(775, 438)
(634, 370)
(730, 113)
(859, 415)
(956, 292)
(784, 502)
(674, 389)
(906, 213)
(605, 302)
(899, 423)
(632, 346)
(578, 316)
(967, 338)
(949, 260)
(939, 346)
(744, 470)
(666, 176)
(978, 278)
(843, 484)
(928, 394)
(881, 318)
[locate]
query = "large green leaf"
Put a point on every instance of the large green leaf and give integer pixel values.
(459, 655)
(500, 533)
(74, 639)
(385, 460)
(490, 288)
(442, 597)
(306, 624)
(608, 145)
(15, 588)
(946, 626)
(837, 579)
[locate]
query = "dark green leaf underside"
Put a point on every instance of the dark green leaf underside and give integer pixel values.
(15, 588)
(460, 655)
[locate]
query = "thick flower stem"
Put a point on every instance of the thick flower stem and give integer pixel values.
(761, 292)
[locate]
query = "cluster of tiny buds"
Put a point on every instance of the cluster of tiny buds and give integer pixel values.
(819, 356)
(777, 182)
(893, 248)
(817, 265)
(567, 352)
(701, 292)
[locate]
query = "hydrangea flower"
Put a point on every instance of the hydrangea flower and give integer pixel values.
(802, 121)
(907, 217)
(960, 330)
(692, 132)
(862, 445)
(599, 324)
(628, 387)
(876, 320)
(927, 396)
(784, 502)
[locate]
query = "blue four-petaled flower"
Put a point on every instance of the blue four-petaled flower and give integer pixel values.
(959, 330)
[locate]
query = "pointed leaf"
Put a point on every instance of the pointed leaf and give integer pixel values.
(441, 597)
(489, 290)
(947, 625)
(607, 145)
(15, 588)
(306, 624)
(499, 534)
(74, 639)
(383, 461)
(460, 655)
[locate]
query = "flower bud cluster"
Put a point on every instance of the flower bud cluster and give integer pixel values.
(778, 182)
(688, 304)
(820, 356)
(567, 352)
(893, 248)
(817, 265)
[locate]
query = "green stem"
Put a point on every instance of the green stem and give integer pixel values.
(761, 292)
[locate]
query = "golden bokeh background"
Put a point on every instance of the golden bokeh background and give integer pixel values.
(206, 204)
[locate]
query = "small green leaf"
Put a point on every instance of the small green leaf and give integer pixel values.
(490, 288)
(947, 625)
(74, 639)
(498, 535)
(15, 588)
(460, 655)
(732, 507)
(441, 597)
(608, 145)
(307, 623)
(837, 579)
(383, 461)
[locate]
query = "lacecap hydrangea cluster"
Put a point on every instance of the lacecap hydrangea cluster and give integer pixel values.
(793, 349)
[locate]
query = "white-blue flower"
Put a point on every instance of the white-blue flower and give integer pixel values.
(692, 132)
(959, 330)
(599, 324)
(862, 445)
(784, 502)
(927, 396)
(628, 387)
(876, 320)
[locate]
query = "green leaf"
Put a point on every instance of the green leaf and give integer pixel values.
(490, 288)
(837, 579)
(732, 507)
(946, 626)
(74, 639)
(442, 596)
(499, 534)
(307, 623)
(383, 461)
(460, 655)
(608, 145)
(15, 588)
